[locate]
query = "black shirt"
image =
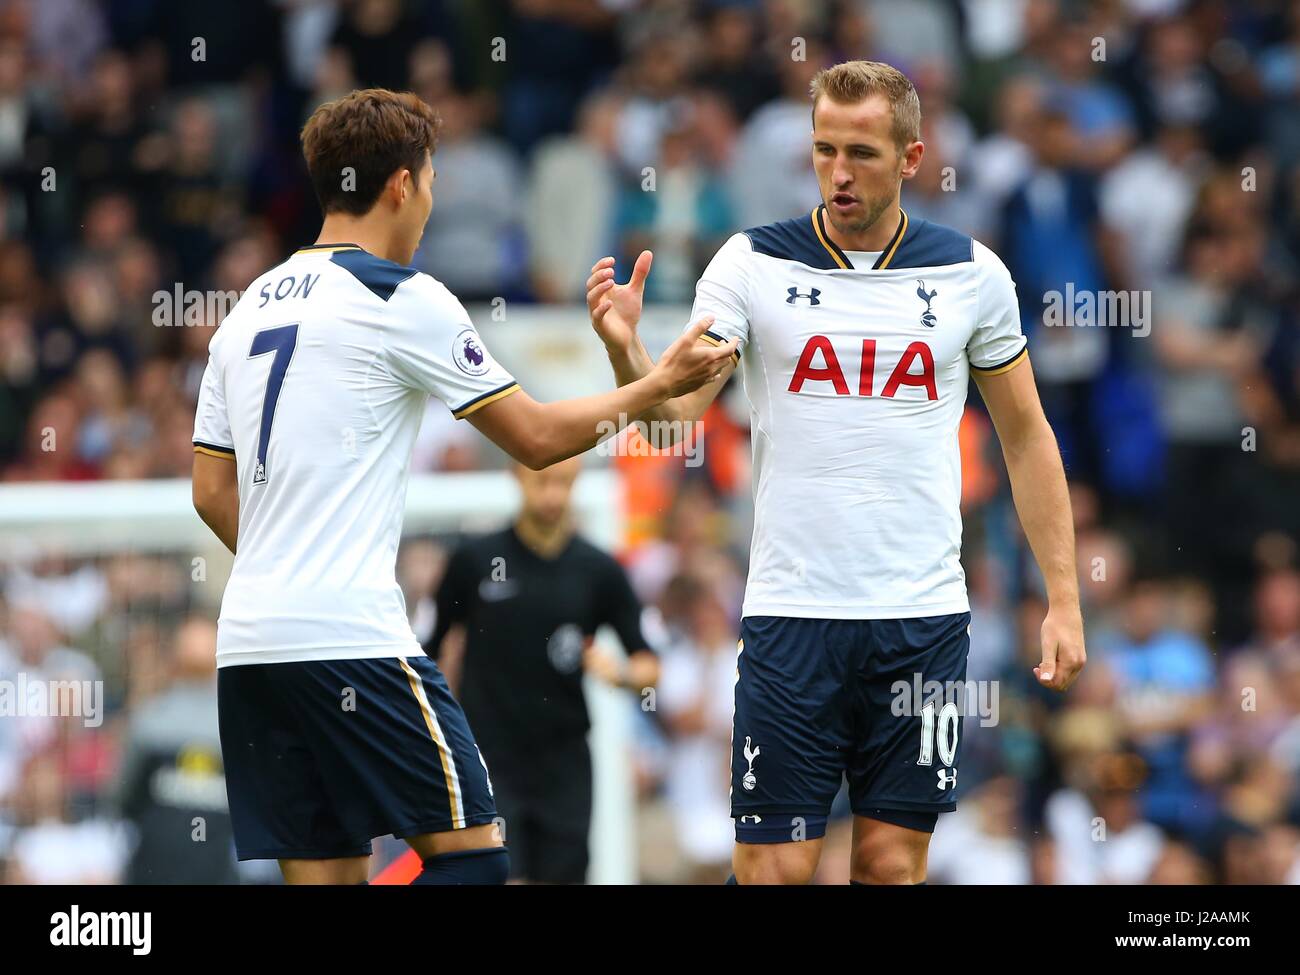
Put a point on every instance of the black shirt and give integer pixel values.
(527, 620)
(172, 777)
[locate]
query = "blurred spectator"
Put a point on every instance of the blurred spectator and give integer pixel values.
(906, 31)
(771, 172)
(69, 597)
(1249, 719)
(50, 846)
(1179, 865)
(170, 787)
(1098, 829)
(570, 199)
(472, 243)
(194, 203)
(1002, 160)
(553, 53)
(732, 62)
(1211, 327)
(683, 216)
(1163, 681)
(1052, 243)
(937, 194)
(694, 698)
(1097, 111)
(980, 843)
(109, 145)
(1276, 635)
(1179, 84)
(1279, 75)
(378, 36)
(656, 95)
(1148, 197)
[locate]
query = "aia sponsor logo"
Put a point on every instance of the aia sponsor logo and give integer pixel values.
(819, 363)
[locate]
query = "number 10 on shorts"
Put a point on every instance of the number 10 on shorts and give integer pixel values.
(941, 735)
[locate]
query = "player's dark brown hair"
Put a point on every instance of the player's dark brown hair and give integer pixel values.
(853, 81)
(354, 143)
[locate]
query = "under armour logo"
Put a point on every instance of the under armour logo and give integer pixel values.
(750, 780)
(812, 296)
(947, 778)
(928, 318)
(751, 819)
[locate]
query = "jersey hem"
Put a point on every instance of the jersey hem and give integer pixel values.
(213, 449)
(1004, 366)
(865, 612)
(298, 655)
(491, 396)
(712, 338)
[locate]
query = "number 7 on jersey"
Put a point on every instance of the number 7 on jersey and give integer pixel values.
(281, 340)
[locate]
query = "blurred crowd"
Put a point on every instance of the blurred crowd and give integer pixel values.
(1143, 146)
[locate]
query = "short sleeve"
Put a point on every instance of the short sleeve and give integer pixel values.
(998, 343)
(434, 347)
(723, 292)
(211, 421)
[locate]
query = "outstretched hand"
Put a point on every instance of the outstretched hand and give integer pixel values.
(616, 308)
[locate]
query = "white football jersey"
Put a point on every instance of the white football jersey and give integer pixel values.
(316, 383)
(856, 368)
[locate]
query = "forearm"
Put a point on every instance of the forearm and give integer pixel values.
(222, 516)
(634, 363)
(574, 426)
(638, 673)
(642, 670)
(1043, 503)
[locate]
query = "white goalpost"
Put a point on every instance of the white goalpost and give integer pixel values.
(87, 520)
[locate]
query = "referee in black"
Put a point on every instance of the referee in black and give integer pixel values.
(530, 599)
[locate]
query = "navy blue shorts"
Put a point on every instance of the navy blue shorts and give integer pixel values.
(322, 756)
(878, 701)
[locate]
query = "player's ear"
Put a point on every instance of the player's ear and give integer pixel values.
(396, 187)
(912, 155)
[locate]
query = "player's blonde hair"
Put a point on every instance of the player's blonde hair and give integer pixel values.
(852, 81)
